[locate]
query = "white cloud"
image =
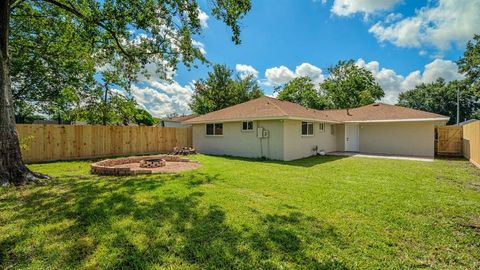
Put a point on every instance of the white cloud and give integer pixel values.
(441, 68)
(246, 70)
(203, 17)
(349, 7)
(279, 75)
(282, 74)
(309, 70)
(161, 98)
(199, 45)
(393, 84)
(447, 22)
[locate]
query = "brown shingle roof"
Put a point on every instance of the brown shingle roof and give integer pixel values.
(382, 112)
(271, 108)
(262, 108)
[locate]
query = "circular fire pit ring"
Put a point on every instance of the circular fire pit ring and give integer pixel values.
(152, 163)
(144, 165)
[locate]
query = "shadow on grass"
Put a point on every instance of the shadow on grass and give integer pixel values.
(304, 162)
(123, 224)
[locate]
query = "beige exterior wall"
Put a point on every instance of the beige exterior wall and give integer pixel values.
(340, 141)
(285, 141)
(236, 142)
(297, 146)
(408, 138)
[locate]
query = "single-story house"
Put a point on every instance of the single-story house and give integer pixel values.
(176, 121)
(281, 130)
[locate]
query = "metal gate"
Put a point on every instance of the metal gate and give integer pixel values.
(448, 141)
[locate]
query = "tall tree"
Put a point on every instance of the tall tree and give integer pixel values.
(441, 97)
(49, 55)
(221, 89)
(470, 63)
(303, 91)
(143, 117)
(126, 35)
(350, 86)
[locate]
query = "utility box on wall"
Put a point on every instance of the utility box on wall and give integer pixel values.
(259, 132)
(262, 133)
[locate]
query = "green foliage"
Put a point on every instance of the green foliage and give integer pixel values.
(117, 109)
(59, 45)
(25, 142)
(62, 106)
(470, 64)
(124, 109)
(232, 213)
(302, 91)
(350, 86)
(25, 113)
(49, 53)
(221, 90)
(142, 117)
(440, 97)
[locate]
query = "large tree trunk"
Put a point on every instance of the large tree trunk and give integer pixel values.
(12, 169)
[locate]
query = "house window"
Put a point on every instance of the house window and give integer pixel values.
(307, 129)
(332, 129)
(321, 127)
(214, 129)
(247, 126)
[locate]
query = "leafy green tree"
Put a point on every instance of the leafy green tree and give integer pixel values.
(142, 117)
(122, 35)
(25, 113)
(47, 55)
(441, 97)
(350, 86)
(221, 90)
(302, 91)
(62, 106)
(124, 108)
(470, 64)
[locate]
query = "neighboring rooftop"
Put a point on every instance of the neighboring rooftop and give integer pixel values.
(264, 108)
(180, 118)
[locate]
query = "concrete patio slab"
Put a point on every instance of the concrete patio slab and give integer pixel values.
(368, 155)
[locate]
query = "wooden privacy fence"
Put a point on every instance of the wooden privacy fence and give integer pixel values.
(63, 142)
(471, 142)
(448, 141)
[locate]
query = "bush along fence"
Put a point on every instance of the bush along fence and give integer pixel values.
(42, 143)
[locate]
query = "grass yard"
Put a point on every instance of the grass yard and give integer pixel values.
(320, 212)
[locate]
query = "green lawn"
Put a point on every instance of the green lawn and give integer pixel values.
(321, 212)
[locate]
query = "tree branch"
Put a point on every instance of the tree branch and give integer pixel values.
(71, 9)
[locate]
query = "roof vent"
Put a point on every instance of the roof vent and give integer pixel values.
(376, 104)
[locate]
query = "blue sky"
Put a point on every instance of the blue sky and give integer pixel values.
(403, 43)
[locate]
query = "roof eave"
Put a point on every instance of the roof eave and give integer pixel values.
(261, 119)
(440, 119)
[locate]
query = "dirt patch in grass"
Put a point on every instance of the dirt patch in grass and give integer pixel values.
(170, 167)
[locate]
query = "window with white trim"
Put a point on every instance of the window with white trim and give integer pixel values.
(321, 127)
(307, 129)
(214, 129)
(247, 126)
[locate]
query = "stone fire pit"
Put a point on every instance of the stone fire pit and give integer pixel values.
(152, 163)
(143, 165)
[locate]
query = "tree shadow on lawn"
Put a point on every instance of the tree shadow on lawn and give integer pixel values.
(304, 162)
(102, 224)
